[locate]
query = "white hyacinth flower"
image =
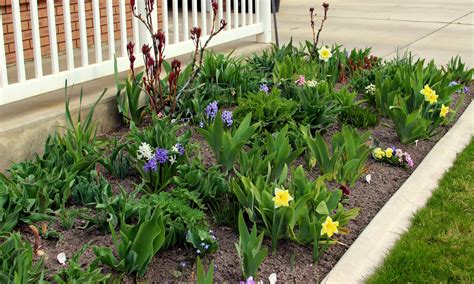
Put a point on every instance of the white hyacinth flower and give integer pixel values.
(272, 278)
(145, 151)
(312, 83)
(172, 159)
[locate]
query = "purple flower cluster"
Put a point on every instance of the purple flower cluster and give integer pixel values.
(227, 118)
(180, 148)
(264, 88)
(211, 110)
(160, 157)
(455, 83)
(248, 281)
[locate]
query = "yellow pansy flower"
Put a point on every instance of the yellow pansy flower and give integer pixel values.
(378, 153)
(389, 152)
(329, 227)
(444, 111)
(282, 198)
(324, 54)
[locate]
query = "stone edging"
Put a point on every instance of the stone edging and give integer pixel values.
(372, 245)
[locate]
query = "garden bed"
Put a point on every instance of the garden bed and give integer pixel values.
(292, 262)
(304, 145)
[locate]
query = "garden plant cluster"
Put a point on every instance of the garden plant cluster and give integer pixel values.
(224, 141)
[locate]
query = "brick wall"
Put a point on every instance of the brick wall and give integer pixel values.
(5, 7)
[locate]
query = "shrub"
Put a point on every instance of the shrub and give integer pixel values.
(270, 110)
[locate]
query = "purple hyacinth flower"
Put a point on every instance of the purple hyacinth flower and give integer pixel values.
(151, 165)
(180, 148)
(161, 155)
(211, 110)
(264, 88)
(227, 118)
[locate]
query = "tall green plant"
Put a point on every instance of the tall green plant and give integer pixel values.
(345, 163)
(249, 249)
(227, 144)
(139, 243)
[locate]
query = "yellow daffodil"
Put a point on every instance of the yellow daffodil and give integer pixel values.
(329, 227)
(324, 54)
(426, 91)
(444, 111)
(378, 153)
(433, 98)
(282, 198)
(389, 152)
(430, 94)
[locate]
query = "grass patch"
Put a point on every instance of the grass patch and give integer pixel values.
(439, 246)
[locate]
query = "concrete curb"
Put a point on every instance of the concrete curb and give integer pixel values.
(370, 248)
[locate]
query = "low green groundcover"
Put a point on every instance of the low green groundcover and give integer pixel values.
(439, 247)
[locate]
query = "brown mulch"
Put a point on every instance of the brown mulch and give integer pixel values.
(292, 263)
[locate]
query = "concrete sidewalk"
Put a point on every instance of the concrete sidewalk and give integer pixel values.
(433, 29)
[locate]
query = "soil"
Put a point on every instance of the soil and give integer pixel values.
(291, 262)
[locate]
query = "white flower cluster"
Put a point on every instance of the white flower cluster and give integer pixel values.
(145, 152)
(370, 89)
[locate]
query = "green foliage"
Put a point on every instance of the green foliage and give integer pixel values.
(202, 276)
(359, 117)
(74, 273)
(118, 163)
(275, 153)
(128, 97)
(10, 205)
(345, 99)
(161, 134)
(458, 71)
(350, 150)
(181, 219)
(16, 259)
(265, 63)
(299, 221)
(410, 126)
(212, 187)
(438, 245)
(249, 249)
(89, 188)
(139, 243)
(224, 77)
(227, 144)
(270, 110)
(315, 106)
(79, 141)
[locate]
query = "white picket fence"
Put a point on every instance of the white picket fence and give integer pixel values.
(254, 19)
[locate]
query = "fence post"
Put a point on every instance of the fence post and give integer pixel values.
(266, 19)
(143, 33)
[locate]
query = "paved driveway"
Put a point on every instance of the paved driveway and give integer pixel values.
(437, 29)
